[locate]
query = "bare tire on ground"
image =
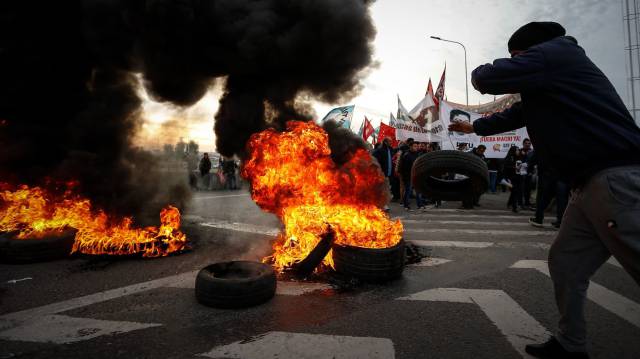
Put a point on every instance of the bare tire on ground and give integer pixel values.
(431, 171)
(49, 246)
(235, 284)
(370, 265)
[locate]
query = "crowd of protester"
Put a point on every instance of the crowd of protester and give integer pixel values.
(520, 172)
(225, 177)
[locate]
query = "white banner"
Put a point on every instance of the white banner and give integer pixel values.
(497, 145)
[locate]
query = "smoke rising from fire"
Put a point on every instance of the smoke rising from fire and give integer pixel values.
(68, 102)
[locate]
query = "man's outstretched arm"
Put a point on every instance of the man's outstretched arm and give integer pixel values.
(522, 73)
(507, 120)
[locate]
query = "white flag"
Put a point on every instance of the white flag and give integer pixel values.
(403, 114)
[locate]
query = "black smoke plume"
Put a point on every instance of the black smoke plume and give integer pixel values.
(69, 72)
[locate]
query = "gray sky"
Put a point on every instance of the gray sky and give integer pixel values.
(407, 57)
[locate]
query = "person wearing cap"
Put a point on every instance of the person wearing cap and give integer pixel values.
(568, 104)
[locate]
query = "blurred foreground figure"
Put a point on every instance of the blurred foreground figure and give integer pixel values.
(584, 133)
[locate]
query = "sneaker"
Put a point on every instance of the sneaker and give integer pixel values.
(514, 210)
(555, 224)
(534, 222)
(408, 209)
(506, 183)
(553, 349)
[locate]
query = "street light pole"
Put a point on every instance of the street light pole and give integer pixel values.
(466, 81)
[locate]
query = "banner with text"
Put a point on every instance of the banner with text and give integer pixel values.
(497, 145)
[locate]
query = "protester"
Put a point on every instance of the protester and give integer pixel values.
(229, 167)
(402, 149)
(549, 187)
(396, 183)
(527, 180)
(406, 162)
(493, 166)
(475, 199)
(511, 172)
(384, 156)
(205, 165)
(569, 104)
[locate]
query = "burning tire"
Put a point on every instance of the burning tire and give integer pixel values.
(236, 284)
(370, 265)
(48, 247)
(431, 175)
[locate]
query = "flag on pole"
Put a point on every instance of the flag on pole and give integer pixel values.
(424, 112)
(403, 114)
(440, 90)
(429, 88)
(368, 129)
(387, 131)
(342, 115)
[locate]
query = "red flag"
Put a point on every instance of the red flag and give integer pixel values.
(368, 129)
(429, 88)
(387, 131)
(440, 91)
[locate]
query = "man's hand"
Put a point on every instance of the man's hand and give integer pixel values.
(464, 127)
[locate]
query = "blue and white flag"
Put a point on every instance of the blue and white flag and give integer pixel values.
(342, 115)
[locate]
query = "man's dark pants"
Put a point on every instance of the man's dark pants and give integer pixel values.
(601, 220)
(548, 188)
(527, 184)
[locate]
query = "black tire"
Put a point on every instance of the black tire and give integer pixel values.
(53, 246)
(370, 265)
(428, 170)
(236, 284)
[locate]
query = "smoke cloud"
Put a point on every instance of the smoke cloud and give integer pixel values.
(68, 102)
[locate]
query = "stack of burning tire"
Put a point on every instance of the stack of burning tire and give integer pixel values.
(450, 176)
(45, 247)
(370, 265)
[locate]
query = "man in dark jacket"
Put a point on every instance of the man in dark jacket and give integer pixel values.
(568, 104)
(205, 165)
(384, 155)
(406, 163)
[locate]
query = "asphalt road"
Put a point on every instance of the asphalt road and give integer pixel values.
(483, 292)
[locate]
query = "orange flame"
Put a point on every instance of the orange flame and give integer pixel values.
(34, 211)
(292, 175)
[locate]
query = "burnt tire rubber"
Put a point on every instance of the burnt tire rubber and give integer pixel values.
(53, 246)
(237, 284)
(428, 171)
(370, 265)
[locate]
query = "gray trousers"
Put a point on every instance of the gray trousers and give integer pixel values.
(602, 219)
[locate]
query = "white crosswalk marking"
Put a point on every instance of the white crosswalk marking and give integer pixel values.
(282, 345)
(623, 307)
(488, 232)
(430, 262)
(62, 329)
(465, 223)
(242, 227)
(514, 322)
(478, 244)
(43, 324)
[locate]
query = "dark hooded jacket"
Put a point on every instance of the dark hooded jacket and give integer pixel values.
(574, 116)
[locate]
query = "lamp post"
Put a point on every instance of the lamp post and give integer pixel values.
(466, 81)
